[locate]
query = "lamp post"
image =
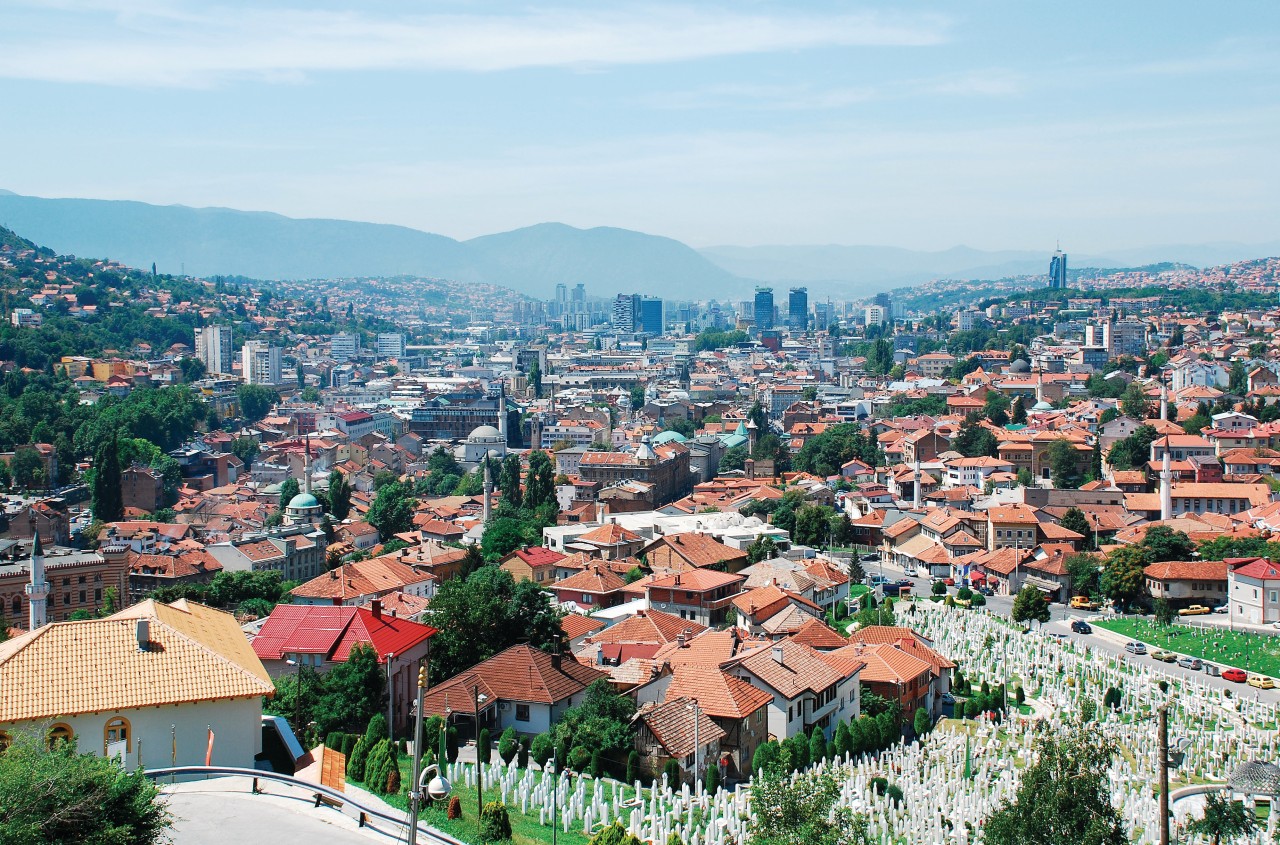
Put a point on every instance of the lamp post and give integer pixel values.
(297, 692)
(1163, 763)
(475, 691)
(391, 700)
(415, 791)
(697, 746)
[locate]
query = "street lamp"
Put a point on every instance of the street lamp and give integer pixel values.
(297, 692)
(479, 699)
(391, 700)
(697, 747)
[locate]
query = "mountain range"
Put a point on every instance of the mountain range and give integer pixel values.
(532, 260)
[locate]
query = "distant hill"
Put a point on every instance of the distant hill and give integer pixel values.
(223, 241)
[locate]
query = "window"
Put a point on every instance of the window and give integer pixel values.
(117, 730)
(61, 732)
(587, 599)
(82, 598)
(17, 606)
(1271, 596)
(522, 712)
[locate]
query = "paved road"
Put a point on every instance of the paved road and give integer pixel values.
(221, 810)
(1104, 641)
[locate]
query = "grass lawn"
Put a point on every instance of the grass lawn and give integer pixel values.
(1251, 652)
(525, 830)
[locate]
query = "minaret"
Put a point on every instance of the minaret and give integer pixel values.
(306, 466)
(38, 589)
(1166, 486)
(915, 485)
(488, 490)
(1164, 403)
(502, 411)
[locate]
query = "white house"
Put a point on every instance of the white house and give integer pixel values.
(1199, 374)
(974, 472)
(808, 687)
(1253, 592)
(150, 684)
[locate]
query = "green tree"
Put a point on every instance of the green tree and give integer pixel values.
(1075, 520)
(712, 781)
(55, 795)
(1064, 466)
(805, 810)
(288, 490)
(495, 822)
(503, 536)
(28, 468)
(486, 613)
(1162, 612)
(339, 495)
(255, 401)
(509, 481)
(1029, 605)
(921, 723)
(1222, 818)
(1135, 402)
(762, 548)
(974, 440)
(1133, 451)
(812, 525)
(734, 458)
(392, 510)
(246, 449)
(1018, 414)
(108, 500)
(1083, 569)
(1064, 796)
(1123, 579)
(1162, 543)
(1024, 478)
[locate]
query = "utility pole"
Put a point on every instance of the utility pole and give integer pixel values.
(1163, 763)
(555, 794)
(475, 691)
(697, 747)
(391, 701)
(415, 788)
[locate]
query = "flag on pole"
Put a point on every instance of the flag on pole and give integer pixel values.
(208, 752)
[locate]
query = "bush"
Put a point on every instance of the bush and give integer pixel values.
(541, 748)
(349, 744)
(972, 708)
(451, 744)
(843, 740)
(579, 757)
(964, 594)
(817, 745)
(484, 746)
(1111, 700)
(507, 745)
(633, 766)
(765, 757)
(894, 794)
(392, 784)
(938, 588)
(495, 823)
(879, 785)
(614, 834)
(454, 810)
(376, 729)
(978, 600)
(522, 755)
(672, 771)
(356, 762)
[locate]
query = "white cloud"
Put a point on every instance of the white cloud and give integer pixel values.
(141, 43)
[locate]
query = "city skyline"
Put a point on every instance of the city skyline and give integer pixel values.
(990, 126)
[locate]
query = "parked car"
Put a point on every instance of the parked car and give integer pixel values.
(1261, 682)
(1194, 610)
(1081, 627)
(948, 698)
(1083, 603)
(1163, 656)
(1135, 648)
(909, 571)
(1236, 676)
(877, 580)
(897, 588)
(869, 558)
(1222, 608)
(986, 591)
(1186, 661)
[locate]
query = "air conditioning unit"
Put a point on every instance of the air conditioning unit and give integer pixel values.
(505, 705)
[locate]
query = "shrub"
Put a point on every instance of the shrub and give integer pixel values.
(1111, 700)
(949, 601)
(817, 745)
(879, 785)
(964, 594)
(495, 823)
(454, 810)
(1019, 695)
(633, 766)
(765, 757)
(451, 744)
(484, 746)
(938, 588)
(614, 834)
(673, 838)
(522, 755)
(894, 794)
(843, 740)
(712, 782)
(507, 745)
(376, 729)
(596, 768)
(355, 763)
(541, 749)
(392, 784)
(978, 600)
(672, 771)
(972, 708)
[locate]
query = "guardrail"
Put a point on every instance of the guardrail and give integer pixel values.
(323, 795)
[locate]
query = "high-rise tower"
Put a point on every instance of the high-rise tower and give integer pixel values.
(1058, 269)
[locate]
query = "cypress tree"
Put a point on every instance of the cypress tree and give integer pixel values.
(108, 499)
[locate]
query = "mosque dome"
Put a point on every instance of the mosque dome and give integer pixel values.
(484, 432)
(1020, 366)
(303, 500)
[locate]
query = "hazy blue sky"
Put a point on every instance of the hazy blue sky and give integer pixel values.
(924, 125)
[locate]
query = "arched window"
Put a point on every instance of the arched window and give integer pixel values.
(61, 732)
(17, 607)
(117, 730)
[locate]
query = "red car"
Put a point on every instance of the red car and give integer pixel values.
(1235, 675)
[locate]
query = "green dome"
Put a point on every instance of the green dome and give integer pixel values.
(303, 501)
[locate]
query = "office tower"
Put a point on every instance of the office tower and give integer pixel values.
(798, 309)
(824, 314)
(259, 363)
(763, 309)
(390, 345)
(876, 315)
(626, 312)
(213, 347)
(1058, 269)
(651, 319)
(579, 295)
(344, 346)
(562, 294)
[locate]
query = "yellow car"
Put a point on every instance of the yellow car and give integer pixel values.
(1261, 682)
(1194, 610)
(1083, 603)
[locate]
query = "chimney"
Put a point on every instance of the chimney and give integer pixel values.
(777, 655)
(750, 466)
(376, 607)
(599, 654)
(144, 634)
(680, 640)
